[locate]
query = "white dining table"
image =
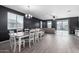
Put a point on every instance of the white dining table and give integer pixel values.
(20, 35)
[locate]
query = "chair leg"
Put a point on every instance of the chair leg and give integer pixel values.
(20, 45)
(38, 39)
(24, 43)
(29, 44)
(14, 50)
(33, 41)
(11, 45)
(41, 37)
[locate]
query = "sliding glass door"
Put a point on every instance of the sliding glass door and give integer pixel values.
(49, 24)
(62, 25)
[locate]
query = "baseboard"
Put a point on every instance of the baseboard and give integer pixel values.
(4, 41)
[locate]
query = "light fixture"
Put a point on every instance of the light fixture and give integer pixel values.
(53, 17)
(68, 10)
(69, 13)
(28, 15)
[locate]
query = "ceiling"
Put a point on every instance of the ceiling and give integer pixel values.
(47, 11)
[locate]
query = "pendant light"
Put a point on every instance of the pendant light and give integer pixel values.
(28, 15)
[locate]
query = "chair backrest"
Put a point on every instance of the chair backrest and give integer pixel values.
(26, 31)
(31, 35)
(32, 30)
(37, 33)
(12, 36)
(19, 30)
(11, 33)
(41, 33)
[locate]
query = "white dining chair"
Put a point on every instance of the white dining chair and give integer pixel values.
(41, 34)
(20, 30)
(36, 35)
(14, 42)
(31, 38)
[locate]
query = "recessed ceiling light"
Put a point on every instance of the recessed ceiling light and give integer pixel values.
(53, 16)
(68, 10)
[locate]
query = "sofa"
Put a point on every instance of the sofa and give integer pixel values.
(49, 30)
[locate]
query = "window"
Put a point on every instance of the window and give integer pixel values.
(40, 24)
(15, 21)
(19, 22)
(11, 21)
(49, 24)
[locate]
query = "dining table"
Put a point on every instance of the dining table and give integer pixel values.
(19, 36)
